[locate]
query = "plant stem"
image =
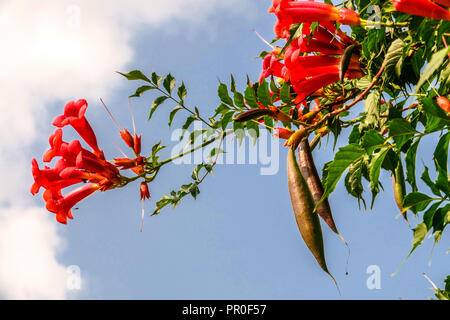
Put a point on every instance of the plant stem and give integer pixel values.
(181, 104)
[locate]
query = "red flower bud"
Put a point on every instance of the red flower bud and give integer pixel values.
(144, 191)
(127, 137)
(282, 133)
(137, 143)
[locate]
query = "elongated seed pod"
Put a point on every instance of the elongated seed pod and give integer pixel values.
(398, 180)
(345, 61)
(252, 114)
(303, 204)
(309, 171)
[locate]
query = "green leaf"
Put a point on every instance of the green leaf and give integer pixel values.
(238, 128)
(156, 103)
(188, 122)
(233, 84)
(410, 160)
(441, 151)
(353, 181)
(342, 161)
(285, 95)
(372, 111)
(135, 75)
(172, 114)
(239, 100)
(250, 97)
(375, 167)
(441, 218)
(223, 94)
(268, 121)
(429, 215)
(435, 63)
(140, 91)
(215, 152)
(401, 130)
(420, 231)
(447, 284)
(194, 190)
(354, 136)
(426, 178)
(394, 54)
(400, 127)
(226, 119)
(416, 201)
(156, 79)
(194, 135)
(264, 94)
(221, 109)
(371, 140)
(182, 92)
(169, 83)
(253, 130)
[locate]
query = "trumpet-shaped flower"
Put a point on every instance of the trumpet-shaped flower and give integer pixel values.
(62, 205)
(74, 115)
(424, 8)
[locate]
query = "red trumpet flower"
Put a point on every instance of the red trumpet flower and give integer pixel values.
(62, 205)
(272, 67)
(49, 178)
(424, 8)
(289, 12)
(74, 115)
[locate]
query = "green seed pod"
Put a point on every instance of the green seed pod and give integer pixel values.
(252, 114)
(399, 186)
(345, 61)
(303, 204)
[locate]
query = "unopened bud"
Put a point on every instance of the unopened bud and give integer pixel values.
(144, 191)
(127, 137)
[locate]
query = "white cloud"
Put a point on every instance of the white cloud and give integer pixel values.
(55, 51)
(29, 244)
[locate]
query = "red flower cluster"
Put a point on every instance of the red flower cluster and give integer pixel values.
(311, 62)
(76, 165)
(424, 8)
(289, 12)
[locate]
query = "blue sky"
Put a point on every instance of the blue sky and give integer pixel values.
(239, 239)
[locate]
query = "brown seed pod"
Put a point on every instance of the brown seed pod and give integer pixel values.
(252, 114)
(303, 204)
(309, 171)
